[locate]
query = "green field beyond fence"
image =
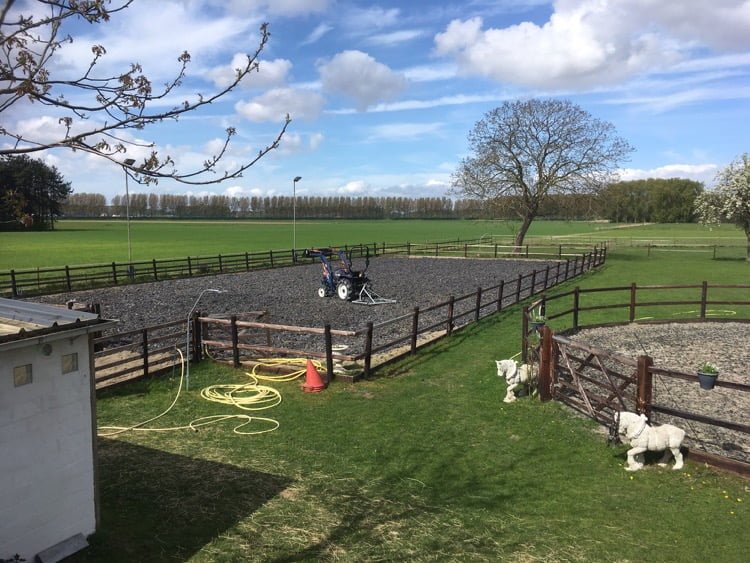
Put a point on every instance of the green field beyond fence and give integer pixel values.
(76, 243)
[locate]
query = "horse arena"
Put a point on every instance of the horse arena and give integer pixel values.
(289, 296)
(684, 347)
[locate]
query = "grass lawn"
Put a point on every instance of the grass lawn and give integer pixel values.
(422, 463)
(91, 242)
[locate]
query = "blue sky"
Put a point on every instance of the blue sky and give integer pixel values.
(383, 94)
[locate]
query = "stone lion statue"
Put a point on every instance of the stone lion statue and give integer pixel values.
(515, 376)
(638, 433)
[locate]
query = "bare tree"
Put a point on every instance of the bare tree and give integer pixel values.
(525, 151)
(95, 111)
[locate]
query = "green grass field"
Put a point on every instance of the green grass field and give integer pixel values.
(92, 242)
(422, 463)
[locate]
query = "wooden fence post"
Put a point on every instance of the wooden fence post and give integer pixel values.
(500, 295)
(329, 352)
(533, 283)
(156, 275)
(247, 262)
(144, 344)
(546, 278)
(13, 286)
(221, 267)
(478, 306)
(67, 277)
(518, 290)
(704, 299)
(631, 312)
(197, 340)
(190, 267)
(114, 273)
(524, 334)
(449, 322)
(567, 267)
(368, 349)
(645, 386)
(414, 329)
(576, 306)
(545, 365)
(235, 342)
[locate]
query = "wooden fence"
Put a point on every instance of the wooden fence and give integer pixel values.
(43, 281)
(600, 382)
(239, 339)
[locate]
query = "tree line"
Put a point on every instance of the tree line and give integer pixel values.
(33, 195)
(653, 200)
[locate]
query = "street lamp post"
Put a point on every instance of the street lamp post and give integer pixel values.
(294, 213)
(187, 334)
(128, 162)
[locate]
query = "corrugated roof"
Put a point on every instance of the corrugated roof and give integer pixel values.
(21, 319)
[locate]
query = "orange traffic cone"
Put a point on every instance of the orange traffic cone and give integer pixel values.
(313, 381)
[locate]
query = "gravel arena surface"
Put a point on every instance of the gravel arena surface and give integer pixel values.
(684, 347)
(289, 295)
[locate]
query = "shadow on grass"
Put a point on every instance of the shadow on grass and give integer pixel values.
(159, 506)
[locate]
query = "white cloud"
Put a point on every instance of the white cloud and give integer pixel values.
(359, 76)
(275, 104)
(429, 73)
(316, 140)
(405, 131)
(354, 187)
(317, 33)
(269, 73)
(366, 19)
(457, 100)
(699, 172)
(136, 35)
(591, 42)
(395, 38)
(659, 102)
(276, 7)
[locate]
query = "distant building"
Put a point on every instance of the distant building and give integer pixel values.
(48, 490)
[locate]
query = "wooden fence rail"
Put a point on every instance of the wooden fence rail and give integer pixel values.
(16, 283)
(600, 382)
(144, 351)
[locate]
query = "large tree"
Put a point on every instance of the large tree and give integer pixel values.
(31, 194)
(729, 201)
(97, 111)
(525, 151)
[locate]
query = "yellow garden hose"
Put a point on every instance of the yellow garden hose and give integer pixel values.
(248, 396)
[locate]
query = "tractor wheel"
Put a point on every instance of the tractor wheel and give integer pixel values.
(322, 292)
(344, 290)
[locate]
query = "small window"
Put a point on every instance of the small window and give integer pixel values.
(70, 362)
(22, 375)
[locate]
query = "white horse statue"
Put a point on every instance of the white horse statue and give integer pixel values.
(515, 376)
(643, 437)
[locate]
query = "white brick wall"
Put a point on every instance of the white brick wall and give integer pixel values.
(46, 461)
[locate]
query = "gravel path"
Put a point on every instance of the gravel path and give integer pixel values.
(683, 347)
(289, 295)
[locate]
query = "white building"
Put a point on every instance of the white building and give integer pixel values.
(48, 492)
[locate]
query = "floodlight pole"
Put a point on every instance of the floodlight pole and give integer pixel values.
(128, 162)
(187, 335)
(294, 213)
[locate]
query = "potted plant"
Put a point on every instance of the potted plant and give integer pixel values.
(537, 321)
(707, 374)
